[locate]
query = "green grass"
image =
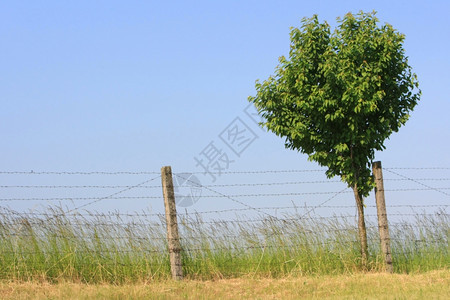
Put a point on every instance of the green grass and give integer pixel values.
(113, 248)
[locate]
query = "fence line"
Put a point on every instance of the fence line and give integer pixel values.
(212, 185)
(193, 213)
(225, 172)
(418, 182)
(208, 196)
(256, 247)
(113, 223)
(286, 227)
(76, 173)
(151, 173)
(188, 238)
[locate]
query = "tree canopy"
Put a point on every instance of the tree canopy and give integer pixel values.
(339, 95)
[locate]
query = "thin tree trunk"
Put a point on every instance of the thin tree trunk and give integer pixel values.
(361, 227)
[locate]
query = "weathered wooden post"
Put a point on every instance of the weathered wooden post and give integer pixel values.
(172, 225)
(383, 226)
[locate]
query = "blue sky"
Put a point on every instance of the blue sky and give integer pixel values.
(136, 85)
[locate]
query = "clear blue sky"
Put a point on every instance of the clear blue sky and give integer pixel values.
(136, 85)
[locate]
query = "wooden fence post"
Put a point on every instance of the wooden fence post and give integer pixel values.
(383, 226)
(172, 225)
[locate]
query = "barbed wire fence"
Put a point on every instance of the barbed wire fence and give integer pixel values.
(213, 192)
(295, 202)
(212, 188)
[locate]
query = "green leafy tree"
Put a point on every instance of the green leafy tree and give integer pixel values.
(339, 96)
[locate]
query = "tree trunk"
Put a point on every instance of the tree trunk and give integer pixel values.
(361, 227)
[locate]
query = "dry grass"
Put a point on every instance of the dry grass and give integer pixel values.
(430, 285)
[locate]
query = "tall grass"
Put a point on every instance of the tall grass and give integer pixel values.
(114, 248)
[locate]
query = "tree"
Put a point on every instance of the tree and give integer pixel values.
(339, 96)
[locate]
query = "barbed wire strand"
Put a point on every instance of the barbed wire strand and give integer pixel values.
(293, 218)
(117, 214)
(226, 196)
(148, 173)
(160, 186)
(218, 195)
(114, 194)
(416, 168)
(95, 236)
(229, 172)
(418, 182)
(212, 185)
(76, 173)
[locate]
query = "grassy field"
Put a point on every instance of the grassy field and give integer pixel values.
(428, 285)
(110, 248)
